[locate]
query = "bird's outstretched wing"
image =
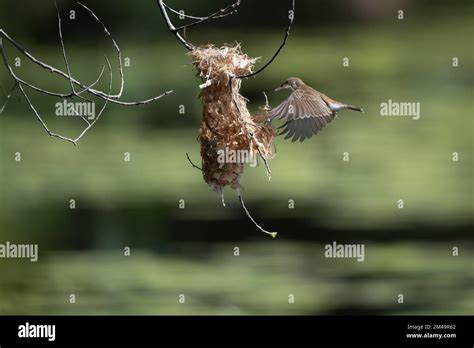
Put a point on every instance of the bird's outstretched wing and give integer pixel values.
(305, 113)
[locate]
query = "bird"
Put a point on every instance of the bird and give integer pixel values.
(306, 111)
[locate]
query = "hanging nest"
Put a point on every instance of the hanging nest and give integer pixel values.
(227, 125)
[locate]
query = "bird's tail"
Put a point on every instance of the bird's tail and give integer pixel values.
(355, 108)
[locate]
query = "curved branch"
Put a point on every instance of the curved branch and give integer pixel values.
(19, 80)
(194, 165)
(273, 234)
(291, 18)
(103, 106)
(97, 93)
(63, 48)
(119, 53)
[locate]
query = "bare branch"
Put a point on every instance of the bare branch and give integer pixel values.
(103, 95)
(171, 27)
(63, 48)
(218, 14)
(226, 11)
(199, 18)
(103, 107)
(41, 90)
(108, 97)
(291, 18)
(119, 53)
(55, 135)
(51, 134)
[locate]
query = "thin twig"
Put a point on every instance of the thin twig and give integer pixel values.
(273, 234)
(265, 162)
(291, 18)
(112, 98)
(195, 17)
(103, 106)
(55, 135)
(51, 134)
(9, 95)
(171, 27)
(38, 89)
(106, 96)
(267, 106)
(117, 48)
(195, 166)
(63, 48)
(198, 20)
(217, 14)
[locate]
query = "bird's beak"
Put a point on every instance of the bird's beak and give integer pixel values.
(280, 88)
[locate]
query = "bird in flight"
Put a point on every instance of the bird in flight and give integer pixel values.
(306, 111)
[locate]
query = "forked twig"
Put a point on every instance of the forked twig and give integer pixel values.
(83, 88)
(164, 8)
(224, 12)
(200, 18)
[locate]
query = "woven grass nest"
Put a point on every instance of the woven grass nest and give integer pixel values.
(227, 125)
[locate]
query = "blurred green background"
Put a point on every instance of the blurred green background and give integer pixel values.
(191, 251)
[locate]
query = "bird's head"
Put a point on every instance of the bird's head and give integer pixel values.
(292, 82)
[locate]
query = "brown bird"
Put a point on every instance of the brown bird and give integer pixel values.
(306, 111)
